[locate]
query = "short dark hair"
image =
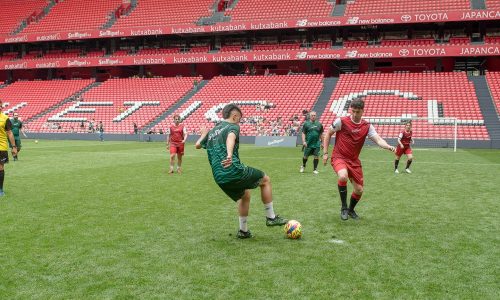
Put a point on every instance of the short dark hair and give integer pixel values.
(358, 104)
(228, 109)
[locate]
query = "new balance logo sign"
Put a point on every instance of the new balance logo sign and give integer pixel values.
(301, 23)
(351, 54)
(404, 52)
(353, 20)
(301, 55)
(406, 18)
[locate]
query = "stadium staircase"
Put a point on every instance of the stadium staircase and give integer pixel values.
(174, 107)
(329, 85)
(478, 4)
(119, 12)
(487, 106)
(338, 10)
(216, 17)
(67, 100)
(45, 11)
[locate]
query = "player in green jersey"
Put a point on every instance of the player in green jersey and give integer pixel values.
(312, 134)
(232, 176)
(17, 129)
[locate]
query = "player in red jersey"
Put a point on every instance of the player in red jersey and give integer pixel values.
(176, 138)
(351, 132)
(405, 140)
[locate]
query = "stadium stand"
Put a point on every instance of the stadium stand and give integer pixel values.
(493, 79)
(118, 103)
(30, 98)
(18, 11)
(160, 12)
(370, 7)
(492, 40)
(9, 56)
(264, 99)
(492, 4)
(250, 10)
(75, 15)
(406, 95)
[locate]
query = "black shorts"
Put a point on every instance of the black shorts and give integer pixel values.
(311, 151)
(4, 157)
(236, 189)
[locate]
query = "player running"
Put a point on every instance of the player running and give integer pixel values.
(17, 128)
(351, 132)
(312, 135)
(176, 138)
(405, 140)
(232, 176)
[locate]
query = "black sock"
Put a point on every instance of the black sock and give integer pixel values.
(304, 161)
(408, 163)
(315, 162)
(353, 203)
(343, 195)
(2, 176)
(396, 163)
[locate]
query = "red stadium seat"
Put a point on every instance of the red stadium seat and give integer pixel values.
(452, 90)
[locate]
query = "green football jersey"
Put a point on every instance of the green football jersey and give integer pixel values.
(17, 125)
(313, 131)
(215, 143)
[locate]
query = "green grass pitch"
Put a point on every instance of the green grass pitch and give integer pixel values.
(90, 220)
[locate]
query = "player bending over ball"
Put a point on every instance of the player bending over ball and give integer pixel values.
(351, 132)
(232, 176)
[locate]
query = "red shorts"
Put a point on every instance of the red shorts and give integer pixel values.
(177, 149)
(353, 167)
(400, 151)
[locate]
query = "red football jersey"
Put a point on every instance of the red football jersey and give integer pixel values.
(176, 135)
(350, 137)
(405, 138)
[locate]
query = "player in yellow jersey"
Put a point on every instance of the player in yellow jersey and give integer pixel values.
(5, 136)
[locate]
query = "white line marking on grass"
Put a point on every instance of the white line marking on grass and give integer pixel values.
(335, 241)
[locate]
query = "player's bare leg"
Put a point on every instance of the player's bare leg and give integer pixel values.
(355, 197)
(243, 210)
(172, 161)
(342, 185)
(179, 163)
(2, 176)
(266, 194)
(408, 163)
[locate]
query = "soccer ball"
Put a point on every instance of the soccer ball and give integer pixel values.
(36, 141)
(293, 229)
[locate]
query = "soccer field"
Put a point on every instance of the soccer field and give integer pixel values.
(105, 220)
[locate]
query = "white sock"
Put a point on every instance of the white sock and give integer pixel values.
(269, 210)
(243, 224)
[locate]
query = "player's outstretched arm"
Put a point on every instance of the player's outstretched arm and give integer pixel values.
(204, 132)
(382, 143)
(327, 136)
